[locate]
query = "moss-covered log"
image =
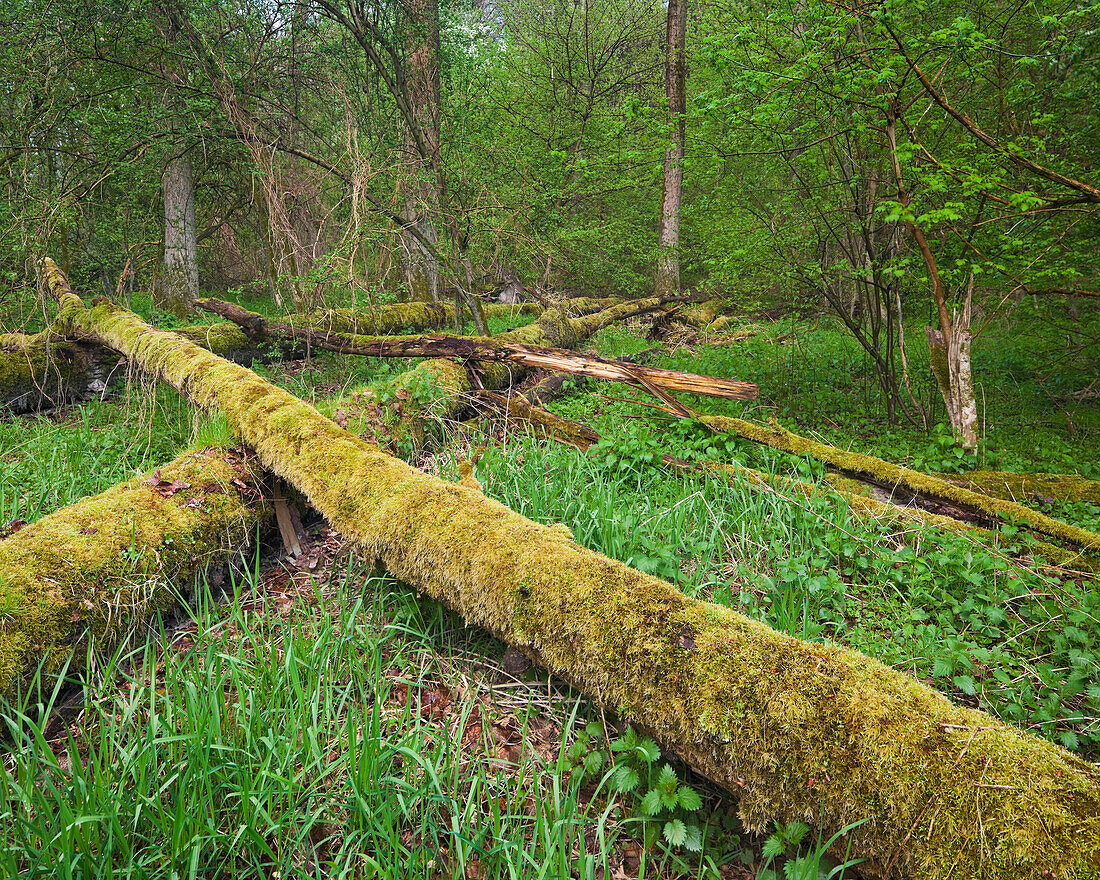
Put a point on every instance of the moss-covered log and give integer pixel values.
(891, 476)
(1032, 488)
(436, 390)
(502, 351)
(383, 321)
(855, 494)
(795, 730)
(90, 573)
(713, 315)
(45, 370)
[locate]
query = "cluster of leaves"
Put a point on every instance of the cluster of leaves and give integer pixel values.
(661, 806)
(944, 454)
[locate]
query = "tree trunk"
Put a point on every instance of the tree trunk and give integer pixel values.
(795, 730)
(94, 571)
(178, 285)
(951, 366)
(668, 236)
(420, 43)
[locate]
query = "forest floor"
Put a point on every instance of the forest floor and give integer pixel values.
(319, 719)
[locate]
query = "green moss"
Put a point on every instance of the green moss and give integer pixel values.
(796, 730)
(1028, 487)
(889, 476)
(93, 571)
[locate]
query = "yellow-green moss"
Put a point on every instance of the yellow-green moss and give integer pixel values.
(1029, 488)
(795, 730)
(91, 572)
(404, 317)
(43, 368)
(889, 475)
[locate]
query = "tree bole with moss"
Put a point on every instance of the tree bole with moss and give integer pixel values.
(90, 573)
(795, 730)
(891, 476)
(46, 370)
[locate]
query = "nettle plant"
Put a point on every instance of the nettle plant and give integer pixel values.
(661, 805)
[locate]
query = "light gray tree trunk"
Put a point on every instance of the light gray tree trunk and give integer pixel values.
(668, 235)
(951, 367)
(178, 286)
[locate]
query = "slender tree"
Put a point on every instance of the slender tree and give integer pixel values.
(668, 235)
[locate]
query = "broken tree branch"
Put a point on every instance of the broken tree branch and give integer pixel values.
(492, 351)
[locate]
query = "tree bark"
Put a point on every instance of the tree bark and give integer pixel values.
(950, 360)
(668, 234)
(795, 730)
(178, 285)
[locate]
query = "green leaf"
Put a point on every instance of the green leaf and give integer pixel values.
(593, 762)
(772, 847)
(796, 831)
(648, 751)
(667, 781)
(675, 832)
(624, 779)
(965, 684)
(694, 840)
(651, 803)
(689, 799)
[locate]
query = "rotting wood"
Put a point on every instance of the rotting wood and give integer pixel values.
(90, 573)
(795, 730)
(889, 476)
(437, 390)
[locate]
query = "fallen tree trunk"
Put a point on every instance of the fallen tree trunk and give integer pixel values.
(1041, 488)
(437, 390)
(47, 369)
(794, 730)
(891, 476)
(498, 351)
(854, 493)
(88, 574)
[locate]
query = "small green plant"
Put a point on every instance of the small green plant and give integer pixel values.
(944, 454)
(664, 808)
(800, 862)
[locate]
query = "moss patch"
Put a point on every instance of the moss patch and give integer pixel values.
(92, 572)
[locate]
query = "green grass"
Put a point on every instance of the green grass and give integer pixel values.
(291, 739)
(326, 731)
(289, 744)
